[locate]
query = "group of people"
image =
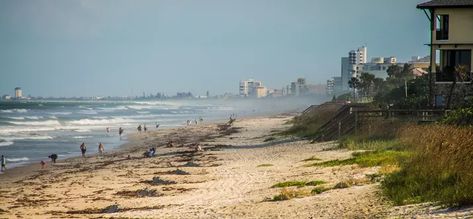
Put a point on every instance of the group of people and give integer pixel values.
(83, 150)
(190, 122)
(150, 153)
(142, 128)
(101, 148)
(120, 130)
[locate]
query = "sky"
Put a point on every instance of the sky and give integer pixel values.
(127, 47)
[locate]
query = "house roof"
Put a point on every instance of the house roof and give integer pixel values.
(446, 4)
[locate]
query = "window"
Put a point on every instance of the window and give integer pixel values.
(452, 59)
(441, 27)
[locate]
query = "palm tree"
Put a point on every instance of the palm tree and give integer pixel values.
(354, 83)
(366, 82)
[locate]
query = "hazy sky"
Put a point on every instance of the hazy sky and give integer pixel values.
(117, 47)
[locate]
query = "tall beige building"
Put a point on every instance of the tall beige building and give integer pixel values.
(18, 93)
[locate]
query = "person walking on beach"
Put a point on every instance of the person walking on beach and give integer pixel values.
(144, 128)
(83, 149)
(101, 148)
(108, 130)
(43, 164)
(4, 164)
(120, 131)
(139, 128)
(157, 125)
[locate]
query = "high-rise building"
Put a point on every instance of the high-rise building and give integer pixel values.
(330, 87)
(18, 93)
(390, 60)
(301, 86)
(298, 87)
(356, 60)
(294, 91)
(261, 91)
(358, 56)
(346, 74)
(357, 63)
(6, 97)
(379, 66)
(337, 84)
(251, 88)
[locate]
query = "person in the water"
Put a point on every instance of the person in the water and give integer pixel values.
(4, 164)
(83, 149)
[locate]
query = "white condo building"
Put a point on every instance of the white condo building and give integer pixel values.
(379, 66)
(252, 88)
(356, 59)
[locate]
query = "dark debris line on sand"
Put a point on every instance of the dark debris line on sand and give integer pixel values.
(108, 210)
(119, 157)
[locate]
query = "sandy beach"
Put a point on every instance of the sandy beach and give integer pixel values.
(232, 177)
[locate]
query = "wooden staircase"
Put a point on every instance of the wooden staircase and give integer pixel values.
(344, 122)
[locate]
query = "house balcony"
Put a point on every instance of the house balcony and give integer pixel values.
(444, 77)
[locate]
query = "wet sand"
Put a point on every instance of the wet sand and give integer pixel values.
(231, 178)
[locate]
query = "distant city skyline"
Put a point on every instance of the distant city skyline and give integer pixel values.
(125, 48)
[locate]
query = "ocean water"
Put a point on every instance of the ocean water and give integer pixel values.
(31, 131)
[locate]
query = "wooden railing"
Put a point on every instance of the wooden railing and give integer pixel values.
(350, 118)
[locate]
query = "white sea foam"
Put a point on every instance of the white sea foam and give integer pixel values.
(20, 110)
(154, 103)
(37, 123)
(100, 121)
(37, 137)
(88, 112)
(46, 137)
(34, 117)
(112, 109)
(19, 159)
(5, 143)
(17, 118)
(140, 107)
(6, 130)
(60, 113)
(82, 136)
(143, 112)
(26, 117)
(82, 130)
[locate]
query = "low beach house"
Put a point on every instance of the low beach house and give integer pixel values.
(451, 45)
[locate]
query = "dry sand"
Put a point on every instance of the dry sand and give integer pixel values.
(231, 178)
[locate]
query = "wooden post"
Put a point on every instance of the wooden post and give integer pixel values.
(356, 122)
(339, 129)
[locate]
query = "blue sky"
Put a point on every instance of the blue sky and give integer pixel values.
(118, 47)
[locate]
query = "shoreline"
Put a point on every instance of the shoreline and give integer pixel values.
(233, 176)
(21, 171)
(28, 169)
